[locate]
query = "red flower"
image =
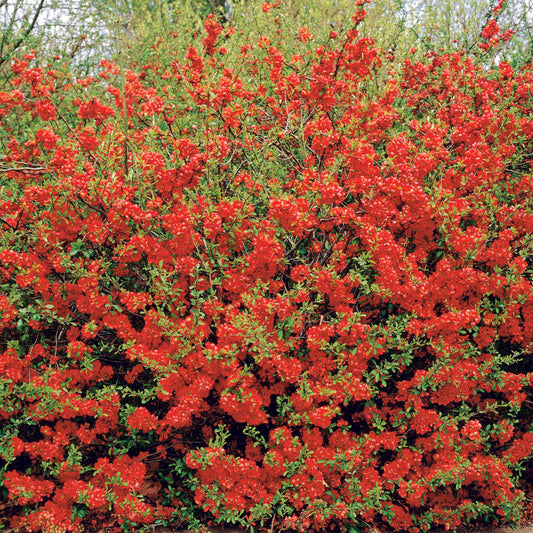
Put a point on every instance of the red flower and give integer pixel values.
(143, 420)
(490, 29)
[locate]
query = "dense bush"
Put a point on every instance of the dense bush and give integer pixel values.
(278, 285)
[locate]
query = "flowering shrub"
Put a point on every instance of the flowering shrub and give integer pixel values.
(300, 301)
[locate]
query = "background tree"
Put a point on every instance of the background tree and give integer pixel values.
(82, 32)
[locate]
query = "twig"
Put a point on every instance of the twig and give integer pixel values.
(4, 169)
(123, 90)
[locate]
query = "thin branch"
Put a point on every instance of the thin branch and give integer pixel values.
(17, 44)
(123, 91)
(6, 32)
(4, 169)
